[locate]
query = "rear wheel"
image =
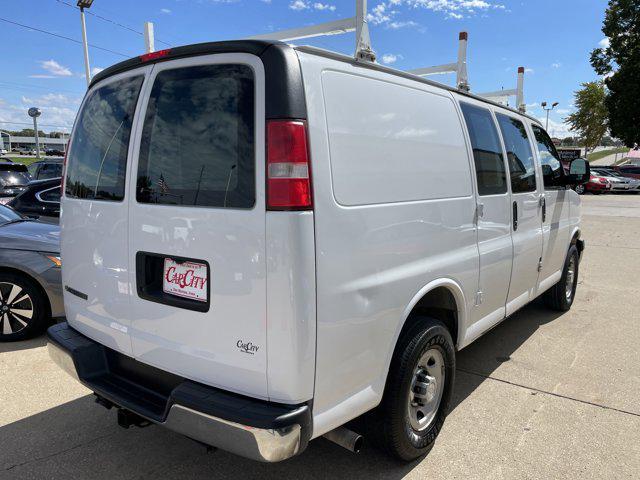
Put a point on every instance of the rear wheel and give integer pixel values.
(560, 297)
(419, 388)
(23, 311)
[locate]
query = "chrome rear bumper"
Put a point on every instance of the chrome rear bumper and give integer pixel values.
(245, 426)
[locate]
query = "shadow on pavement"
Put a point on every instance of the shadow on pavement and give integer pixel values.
(36, 342)
(80, 439)
(480, 359)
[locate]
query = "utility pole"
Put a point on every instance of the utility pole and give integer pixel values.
(82, 4)
(548, 109)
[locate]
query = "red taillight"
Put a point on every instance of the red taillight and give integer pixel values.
(147, 57)
(288, 167)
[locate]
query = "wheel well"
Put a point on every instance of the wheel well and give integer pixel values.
(439, 303)
(35, 282)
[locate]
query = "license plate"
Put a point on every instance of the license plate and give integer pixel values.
(186, 279)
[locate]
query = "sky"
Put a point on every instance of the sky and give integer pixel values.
(552, 39)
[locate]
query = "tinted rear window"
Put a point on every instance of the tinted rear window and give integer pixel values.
(98, 151)
(13, 177)
(487, 151)
(197, 143)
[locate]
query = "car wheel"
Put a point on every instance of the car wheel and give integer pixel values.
(560, 296)
(579, 189)
(418, 392)
(23, 308)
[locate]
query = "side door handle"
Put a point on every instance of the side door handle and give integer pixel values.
(543, 204)
(515, 215)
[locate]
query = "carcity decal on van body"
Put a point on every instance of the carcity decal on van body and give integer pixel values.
(247, 347)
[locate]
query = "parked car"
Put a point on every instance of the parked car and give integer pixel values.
(632, 171)
(3, 151)
(26, 151)
(43, 169)
(40, 200)
(298, 240)
(634, 183)
(30, 286)
(596, 185)
(54, 152)
(619, 183)
(14, 178)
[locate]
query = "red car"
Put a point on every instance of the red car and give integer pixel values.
(632, 171)
(595, 185)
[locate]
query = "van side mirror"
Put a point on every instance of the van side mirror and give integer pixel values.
(579, 172)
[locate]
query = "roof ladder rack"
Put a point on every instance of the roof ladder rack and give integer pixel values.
(459, 67)
(363, 51)
(518, 92)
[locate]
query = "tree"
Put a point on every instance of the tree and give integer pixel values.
(619, 62)
(590, 118)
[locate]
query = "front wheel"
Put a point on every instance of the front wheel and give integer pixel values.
(579, 189)
(23, 308)
(419, 388)
(560, 297)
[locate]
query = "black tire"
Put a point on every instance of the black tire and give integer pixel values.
(395, 431)
(19, 298)
(580, 189)
(557, 297)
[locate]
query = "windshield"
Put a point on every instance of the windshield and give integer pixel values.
(8, 215)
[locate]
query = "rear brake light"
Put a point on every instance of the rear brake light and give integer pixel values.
(288, 168)
(147, 57)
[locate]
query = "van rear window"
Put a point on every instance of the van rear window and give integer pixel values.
(98, 151)
(197, 145)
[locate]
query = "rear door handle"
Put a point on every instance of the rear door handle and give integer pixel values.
(543, 204)
(515, 216)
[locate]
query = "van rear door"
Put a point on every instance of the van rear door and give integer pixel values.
(197, 222)
(94, 230)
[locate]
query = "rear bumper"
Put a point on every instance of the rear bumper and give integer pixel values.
(245, 426)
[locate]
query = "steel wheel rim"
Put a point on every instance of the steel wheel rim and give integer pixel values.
(427, 387)
(579, 188)
(571, 275)
(16, 308)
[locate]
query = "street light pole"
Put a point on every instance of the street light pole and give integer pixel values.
(82, 4)
(544, 107)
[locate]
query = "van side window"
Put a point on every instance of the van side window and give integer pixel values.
(552, 171)
(98, 155)
(487, 152)
(197, 145)
(519, 154)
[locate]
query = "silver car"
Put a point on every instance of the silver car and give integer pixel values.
(30, 284)
(618, 182)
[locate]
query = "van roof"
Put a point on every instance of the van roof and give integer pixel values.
(280, 103)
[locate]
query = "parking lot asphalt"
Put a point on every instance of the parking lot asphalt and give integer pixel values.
(542, 396)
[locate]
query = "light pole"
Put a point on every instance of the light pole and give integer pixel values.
(82, 4)
(544, 107)
(35, 113)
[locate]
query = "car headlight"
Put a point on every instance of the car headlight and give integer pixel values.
(55, 259)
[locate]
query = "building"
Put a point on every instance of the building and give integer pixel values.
(11, 142)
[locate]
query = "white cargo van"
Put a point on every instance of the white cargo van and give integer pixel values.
(262, 243)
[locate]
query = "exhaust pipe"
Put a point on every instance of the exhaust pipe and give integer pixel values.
(346, 438)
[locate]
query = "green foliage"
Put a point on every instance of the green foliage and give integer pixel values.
(590, 118)
(620, 63)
